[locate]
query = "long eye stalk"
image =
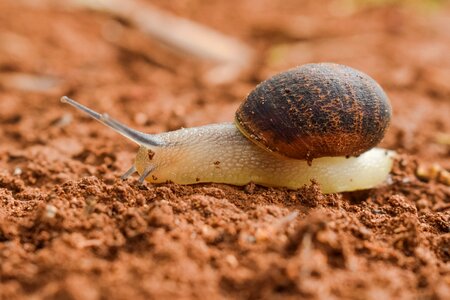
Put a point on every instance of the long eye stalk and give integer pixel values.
(138, 137)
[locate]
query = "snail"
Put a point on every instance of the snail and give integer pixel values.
(313, 122)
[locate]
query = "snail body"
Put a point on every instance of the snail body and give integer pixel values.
(252, 151)
(220, 153)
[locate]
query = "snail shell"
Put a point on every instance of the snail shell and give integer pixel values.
(316, 110)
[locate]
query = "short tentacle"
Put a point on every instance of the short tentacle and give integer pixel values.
(146, 172)
(128, 173)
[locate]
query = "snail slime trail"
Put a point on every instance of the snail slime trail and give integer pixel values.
(317, 112)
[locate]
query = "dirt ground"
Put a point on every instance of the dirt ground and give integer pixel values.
(71, 229)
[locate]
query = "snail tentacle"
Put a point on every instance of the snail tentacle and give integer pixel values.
(149, 169)
(128, 173)
(140, 138)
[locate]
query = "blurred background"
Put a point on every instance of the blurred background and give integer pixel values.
(162, 65)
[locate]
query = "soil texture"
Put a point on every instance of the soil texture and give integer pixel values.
(71, 229)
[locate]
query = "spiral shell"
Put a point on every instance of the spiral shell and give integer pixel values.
(316, 110)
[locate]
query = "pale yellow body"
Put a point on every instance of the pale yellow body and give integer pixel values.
(220, 153)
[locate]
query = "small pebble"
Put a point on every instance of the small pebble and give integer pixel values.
(428, 172)
(406, 180)
(250, 188)
(389, 180)
(444, 177)
(50, 211)
(422, 204)
(17, 171)
(140, 118)
(232, 260)
(65, 120)
(433, 172)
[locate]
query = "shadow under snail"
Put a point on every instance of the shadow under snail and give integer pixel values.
(314, 122)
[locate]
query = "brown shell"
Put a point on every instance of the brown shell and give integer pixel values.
(316, 110)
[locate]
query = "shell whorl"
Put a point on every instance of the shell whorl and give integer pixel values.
(316, 110)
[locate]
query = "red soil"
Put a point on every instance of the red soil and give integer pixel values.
(71, 229)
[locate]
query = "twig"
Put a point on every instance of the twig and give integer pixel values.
(230, 55)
